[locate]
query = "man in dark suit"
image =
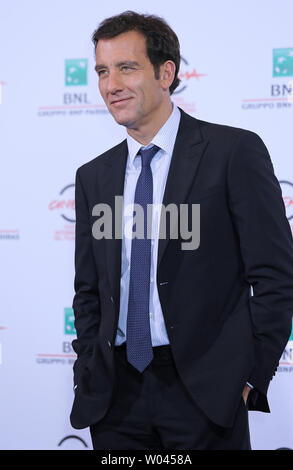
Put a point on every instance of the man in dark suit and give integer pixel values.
(174, 344)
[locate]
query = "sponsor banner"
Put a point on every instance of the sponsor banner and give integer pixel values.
(51, 107)
(78, 98)
(277, 93)
(75, 97)
(9, 234)
(65, 355)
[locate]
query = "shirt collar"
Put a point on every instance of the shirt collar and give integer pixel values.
(165, 137)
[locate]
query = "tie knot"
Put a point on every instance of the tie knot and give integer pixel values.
(147, 155)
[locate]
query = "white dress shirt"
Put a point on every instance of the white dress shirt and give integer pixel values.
(165, 140)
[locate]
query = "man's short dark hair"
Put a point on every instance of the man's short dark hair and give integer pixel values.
(161, 42)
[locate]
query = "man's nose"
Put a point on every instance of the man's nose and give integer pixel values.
(114, 82)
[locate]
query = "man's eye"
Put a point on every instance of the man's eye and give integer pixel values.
(101, 72)
(126, 67)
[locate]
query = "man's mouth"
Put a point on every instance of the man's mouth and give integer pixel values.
(120, 102)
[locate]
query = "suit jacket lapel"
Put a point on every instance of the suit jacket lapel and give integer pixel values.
(111, 181)
(187, 153)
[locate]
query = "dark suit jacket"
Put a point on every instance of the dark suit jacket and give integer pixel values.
(221, 336)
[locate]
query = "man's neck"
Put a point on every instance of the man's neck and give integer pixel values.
(145, 134)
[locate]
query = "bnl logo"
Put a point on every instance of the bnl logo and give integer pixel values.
(69, 328)
(76, 72)
(283, 62)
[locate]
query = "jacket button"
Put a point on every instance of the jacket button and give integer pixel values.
(112, 300)
(109, 344)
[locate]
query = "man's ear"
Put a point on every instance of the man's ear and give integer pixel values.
(167, 73)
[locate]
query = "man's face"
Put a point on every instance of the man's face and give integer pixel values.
(127, 80)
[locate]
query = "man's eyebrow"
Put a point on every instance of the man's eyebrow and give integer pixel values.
(118, 64)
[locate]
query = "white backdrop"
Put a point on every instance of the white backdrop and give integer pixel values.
(237, 69)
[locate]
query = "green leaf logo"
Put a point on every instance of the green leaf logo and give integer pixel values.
(283, 62)
(76, 72)
(69, 328)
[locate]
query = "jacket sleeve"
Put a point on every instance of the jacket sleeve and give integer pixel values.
(86, 303)
(265, 238)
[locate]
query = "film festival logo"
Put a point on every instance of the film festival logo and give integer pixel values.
(281, 90)
(142, 224)
(186, 76)
(73, 442)
(64, 206)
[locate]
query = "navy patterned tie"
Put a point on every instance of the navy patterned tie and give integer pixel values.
(138, 336)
